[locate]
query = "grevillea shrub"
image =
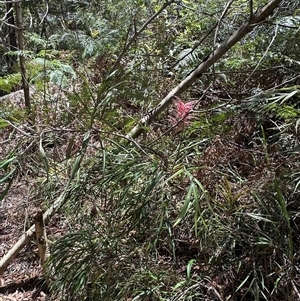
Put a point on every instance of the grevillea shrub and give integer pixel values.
(182, 113)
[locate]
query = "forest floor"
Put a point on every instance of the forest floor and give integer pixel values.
(23, 279)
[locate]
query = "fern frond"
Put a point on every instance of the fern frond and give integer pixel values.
(8, 82)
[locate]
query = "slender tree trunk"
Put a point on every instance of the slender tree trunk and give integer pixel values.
(19, 23)
(11, 60)
(41, 238)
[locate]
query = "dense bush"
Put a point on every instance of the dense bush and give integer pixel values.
(204, 208)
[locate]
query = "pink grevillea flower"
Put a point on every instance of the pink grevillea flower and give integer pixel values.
(182, 111)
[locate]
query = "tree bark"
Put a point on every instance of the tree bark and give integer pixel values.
(19, 23)
(11, 60)
(41, 237)
(258, 18)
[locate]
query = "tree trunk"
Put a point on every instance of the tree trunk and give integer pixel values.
(11, 60)
(41, 237)
(19, 23)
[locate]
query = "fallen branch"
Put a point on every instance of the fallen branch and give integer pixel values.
(29, 234)
(257, 19)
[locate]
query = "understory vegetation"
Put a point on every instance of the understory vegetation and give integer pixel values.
(203, 204)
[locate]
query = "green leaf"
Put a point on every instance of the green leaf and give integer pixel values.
(259, 217)
(189, 268)
(76, 166)
(44, 157)
(69, 147)
(243, 282)
(6, 162)
(6, 177)
(186, 204)
(3, 124)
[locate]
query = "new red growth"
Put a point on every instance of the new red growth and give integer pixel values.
(182, 111)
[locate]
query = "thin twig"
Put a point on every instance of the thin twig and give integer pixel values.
(15, 127)
(296, 290)
(267, 50)
(136, 34)
(224, 13)
(45, 14)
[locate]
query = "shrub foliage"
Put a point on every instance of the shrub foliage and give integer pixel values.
(204, 204)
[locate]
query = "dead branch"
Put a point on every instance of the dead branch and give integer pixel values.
(28, 235)
(41, 237)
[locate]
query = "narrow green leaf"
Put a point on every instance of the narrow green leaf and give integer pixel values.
(86, 140)
(179, 284)
(4, 192)
(189, 268)
(4, 179)
(282, 202)
(177, 173)
(186, 205)
(243, 282)
(259, 217)
(5, 162)
(297, 125)
(288, 96)
(76, 166)
(44, 157)
(3, 124)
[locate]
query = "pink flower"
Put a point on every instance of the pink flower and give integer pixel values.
(182, 111)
